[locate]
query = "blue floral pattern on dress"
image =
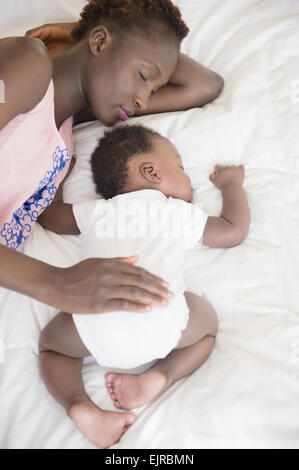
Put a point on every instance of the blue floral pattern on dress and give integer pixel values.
(14, 233)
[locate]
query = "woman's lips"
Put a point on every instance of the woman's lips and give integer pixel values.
(124, 113)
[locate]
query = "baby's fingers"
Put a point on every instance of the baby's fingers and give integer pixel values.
(217, 168)
(213, 176)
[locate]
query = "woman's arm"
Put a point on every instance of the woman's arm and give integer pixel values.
(191, 86)
(26, 70)
(93, 286)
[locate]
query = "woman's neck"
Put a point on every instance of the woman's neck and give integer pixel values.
(68, 79)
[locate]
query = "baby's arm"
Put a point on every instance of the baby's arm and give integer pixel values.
(59, 216)
(231, 228)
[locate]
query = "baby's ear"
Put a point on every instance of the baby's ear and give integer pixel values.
(149, 172)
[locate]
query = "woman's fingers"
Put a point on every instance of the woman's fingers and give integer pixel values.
(136, 295)
(130, 268)
(125, 305)
(130, 260)
(42, 32)
(57, 36)
(145, 277)
(152, 287)
(33, 33)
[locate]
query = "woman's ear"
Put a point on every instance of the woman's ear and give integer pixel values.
(99, 38)
(150, 172)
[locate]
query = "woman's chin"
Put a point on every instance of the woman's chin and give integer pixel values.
(106, 119)
(109, 122)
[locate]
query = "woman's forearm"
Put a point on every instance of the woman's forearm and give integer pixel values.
(192, 85)
(27, 276)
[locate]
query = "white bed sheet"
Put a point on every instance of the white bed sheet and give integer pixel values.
(246, 394)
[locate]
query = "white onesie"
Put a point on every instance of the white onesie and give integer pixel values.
(159, 230)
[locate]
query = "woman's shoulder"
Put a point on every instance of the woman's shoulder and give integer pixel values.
(26, 55)
(26, 69)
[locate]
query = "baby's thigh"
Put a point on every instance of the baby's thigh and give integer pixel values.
(203, 320)
(60, 335)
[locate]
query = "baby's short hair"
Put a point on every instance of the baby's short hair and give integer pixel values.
(109, 161)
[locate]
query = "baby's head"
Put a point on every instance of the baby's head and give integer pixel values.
(131, 158)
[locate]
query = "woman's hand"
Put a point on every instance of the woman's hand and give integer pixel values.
(56, 36)
(93, 286)
(100, 285)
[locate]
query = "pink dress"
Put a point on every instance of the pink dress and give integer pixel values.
(34, 159)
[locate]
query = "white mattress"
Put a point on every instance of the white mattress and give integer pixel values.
(246, 394)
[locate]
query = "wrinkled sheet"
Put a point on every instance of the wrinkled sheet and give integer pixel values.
(246, 394)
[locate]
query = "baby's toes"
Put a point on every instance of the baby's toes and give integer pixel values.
(116, 403)
(110, 377)
(113, 387)
(112, 394)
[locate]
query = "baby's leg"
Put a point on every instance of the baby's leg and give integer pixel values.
(61, 353)
(197, 341)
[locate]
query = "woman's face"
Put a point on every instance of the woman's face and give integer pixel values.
(121, 78)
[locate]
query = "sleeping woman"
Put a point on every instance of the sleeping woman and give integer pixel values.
(124, 60)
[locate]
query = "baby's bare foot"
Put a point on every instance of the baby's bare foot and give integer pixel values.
(131, 391)
(102, 428)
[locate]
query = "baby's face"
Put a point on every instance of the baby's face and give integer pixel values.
(161, 169)
(174, 181)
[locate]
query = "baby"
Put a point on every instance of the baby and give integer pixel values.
(147, 209)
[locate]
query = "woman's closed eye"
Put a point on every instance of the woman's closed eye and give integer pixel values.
(145, 80)
(142, 76)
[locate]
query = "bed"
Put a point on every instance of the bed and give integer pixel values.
(246, 394)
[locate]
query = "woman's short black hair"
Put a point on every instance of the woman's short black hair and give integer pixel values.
(109, 161)
(134, 16)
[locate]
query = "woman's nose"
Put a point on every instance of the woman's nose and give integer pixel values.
(142, 101)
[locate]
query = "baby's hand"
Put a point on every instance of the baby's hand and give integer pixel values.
(224, 175)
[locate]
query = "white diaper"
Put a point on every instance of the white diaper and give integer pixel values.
(126, 340)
